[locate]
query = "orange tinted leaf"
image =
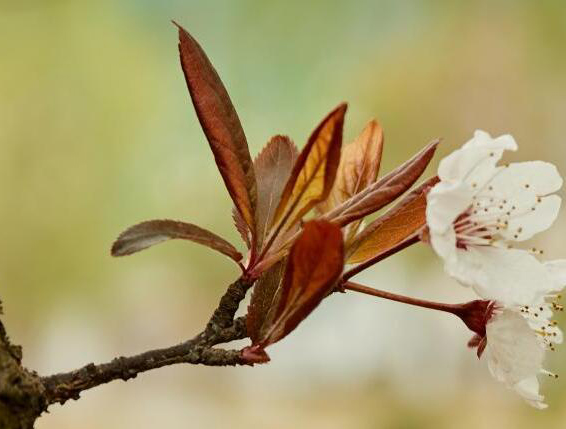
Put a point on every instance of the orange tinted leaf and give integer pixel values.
(385, 190)
(149, 233)
(314, 265)
(314, 172)
(399, 223)
(359, 166)
(221, 125)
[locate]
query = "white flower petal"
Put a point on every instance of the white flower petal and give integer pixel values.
(529, 390)
(481, 138)
(445, 202)
(532, 217)
(510, 276)
(559, 338)
(444, 245)
(465, 267)
(475, 161)
(539, 177)
(514, 352)
(557, 271)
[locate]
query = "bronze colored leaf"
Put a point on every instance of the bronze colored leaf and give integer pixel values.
(314, 265)
(314, 172)
(359, 166)
(398, 224)
(265, 295)
(385, 190)
(273, 167)
(242, 227)
(278, 251)
(221, 125)
(149, 233)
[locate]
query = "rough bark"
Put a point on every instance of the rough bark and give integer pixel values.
(24, 395)
(21, 391)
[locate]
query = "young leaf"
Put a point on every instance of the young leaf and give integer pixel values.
(314, 265)
(266, 293)
(385, 190)
(273, 166)
(149, 233)
(242, 227)
(399, 223)
(221, 125)
(314, 172)
(359, 166)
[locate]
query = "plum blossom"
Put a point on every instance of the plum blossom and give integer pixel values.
(516, 340)
(474, 215)
(478, 209)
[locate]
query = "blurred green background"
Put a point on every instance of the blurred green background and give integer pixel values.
(97, 133)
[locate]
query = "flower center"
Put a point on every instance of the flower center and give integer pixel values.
(487, 219)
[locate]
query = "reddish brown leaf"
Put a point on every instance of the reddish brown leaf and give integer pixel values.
(359, 166)
(314, 265)
(385, 190)
(221, 125)
(398, 224)
(278, 251)
(265, 295)
(149, 233)
(273, 167)
(314, 172)
(242, 227)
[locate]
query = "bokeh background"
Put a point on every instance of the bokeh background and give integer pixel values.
(97, 133)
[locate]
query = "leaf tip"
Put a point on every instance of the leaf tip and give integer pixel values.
(116, 248)
(339, 112)
(120, 246)
(374, 126)
(436, 142)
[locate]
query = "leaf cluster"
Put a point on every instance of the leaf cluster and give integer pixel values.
(295, 262)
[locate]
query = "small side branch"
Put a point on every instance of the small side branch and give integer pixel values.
(223, 316)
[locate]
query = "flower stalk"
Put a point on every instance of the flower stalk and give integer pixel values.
(475, 314)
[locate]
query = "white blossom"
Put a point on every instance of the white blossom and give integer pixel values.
(516, 339)
(479, 208)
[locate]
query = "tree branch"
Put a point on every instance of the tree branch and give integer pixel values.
(223, 316)
(221, 328)
(21, 393)
(62, 387)
(24, 395)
